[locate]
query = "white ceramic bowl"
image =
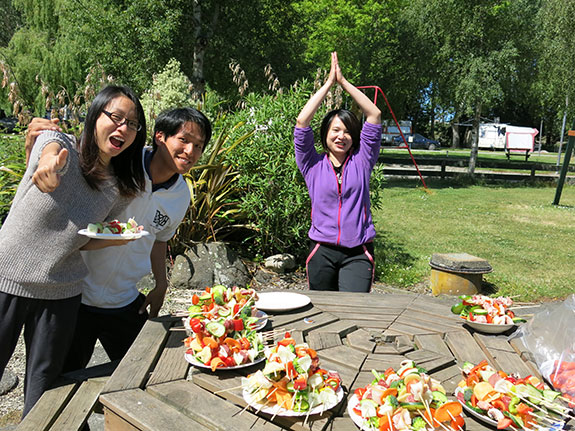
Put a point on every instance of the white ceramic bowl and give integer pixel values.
(488, 328)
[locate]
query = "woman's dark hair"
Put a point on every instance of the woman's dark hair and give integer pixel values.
(127, 165)
(351, 122)
(170, 122)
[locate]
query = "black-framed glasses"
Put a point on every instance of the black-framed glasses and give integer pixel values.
(120, 120)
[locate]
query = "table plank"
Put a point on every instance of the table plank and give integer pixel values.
(317, 321)
(382, 362)
(432, 342)
(144, 412)
(171, 365)
(322, 340)
(361, 340)
(207, 408)
(286, 319)
(431, 361)
(464, 347)
(133, 371)
(76, 413)
(47, 409)
(428, 322)
(345, 355)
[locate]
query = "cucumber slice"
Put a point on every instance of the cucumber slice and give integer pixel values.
(216, 329)
(479, 310)
(412, 406)
(518, 320)
(457, 308)
(439, 397)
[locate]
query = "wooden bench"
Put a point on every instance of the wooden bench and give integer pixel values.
(69, 404)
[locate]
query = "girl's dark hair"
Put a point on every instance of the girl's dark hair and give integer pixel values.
(127, 165)
(351, 122)
(170, 122)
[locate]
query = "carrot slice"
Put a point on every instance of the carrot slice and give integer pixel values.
(234, 345)
(390, 391)
(217, 362)
(447, 411)
(210, 342)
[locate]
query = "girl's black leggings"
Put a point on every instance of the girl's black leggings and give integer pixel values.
(339, 268)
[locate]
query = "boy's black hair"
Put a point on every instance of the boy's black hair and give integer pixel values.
(170, 122)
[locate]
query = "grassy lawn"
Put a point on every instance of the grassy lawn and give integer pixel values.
(529, 242)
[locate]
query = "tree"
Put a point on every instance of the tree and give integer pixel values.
(556, 69)
(477, 48)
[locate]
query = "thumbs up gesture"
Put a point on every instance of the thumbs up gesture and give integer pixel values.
(52, 161)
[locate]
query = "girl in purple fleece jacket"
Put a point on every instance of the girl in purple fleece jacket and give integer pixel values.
(342, 231)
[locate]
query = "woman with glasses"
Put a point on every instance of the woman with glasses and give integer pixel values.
(342, 231)
(67, 185)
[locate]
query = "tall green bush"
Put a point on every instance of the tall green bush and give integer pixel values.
(12, 167)
(274, 196)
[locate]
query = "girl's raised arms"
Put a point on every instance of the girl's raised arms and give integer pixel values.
(370, 110)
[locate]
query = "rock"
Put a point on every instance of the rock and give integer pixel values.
(208, 264)
(264, 277)
(280, 263)
(8, 382)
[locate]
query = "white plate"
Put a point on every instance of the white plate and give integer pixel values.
(357, 419)
(479, 416)
(192, 360)
(262, 320)
(281, 301)
(555, 427)
(280, 411)
(489, 328)
(113, 236)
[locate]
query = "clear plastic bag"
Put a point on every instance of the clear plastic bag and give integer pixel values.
(550, 337)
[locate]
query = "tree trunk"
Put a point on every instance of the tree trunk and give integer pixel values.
(456, 138)
(202, 35)
(475, 142)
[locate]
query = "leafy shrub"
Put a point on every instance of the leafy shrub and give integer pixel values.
(170, 89)
(12, 167)
(274, 195)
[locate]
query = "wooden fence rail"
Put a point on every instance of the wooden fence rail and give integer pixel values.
(401, 165)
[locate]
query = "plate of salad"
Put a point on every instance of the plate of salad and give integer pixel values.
(406, 399)
(222, 329)
(219, 302)
(486, 314)
(292, 382)
(196, 363)
(114, 230)
(507, 401)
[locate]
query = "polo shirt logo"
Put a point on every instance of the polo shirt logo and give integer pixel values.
(160, 219)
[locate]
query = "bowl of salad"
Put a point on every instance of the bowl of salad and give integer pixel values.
(486, 314)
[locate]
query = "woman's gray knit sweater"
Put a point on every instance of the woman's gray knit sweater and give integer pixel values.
(39, 240)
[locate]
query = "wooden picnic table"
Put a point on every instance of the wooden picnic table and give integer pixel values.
(154, 387)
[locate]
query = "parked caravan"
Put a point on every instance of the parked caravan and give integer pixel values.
(499, 136)
(390, 130)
